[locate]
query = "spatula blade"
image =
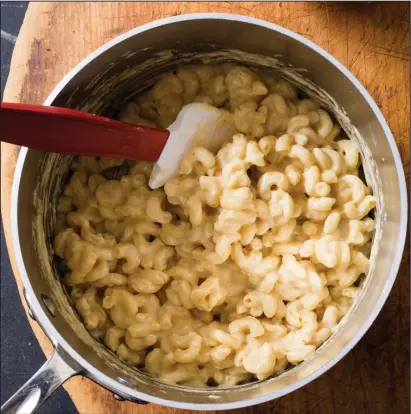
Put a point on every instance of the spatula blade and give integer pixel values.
(197, 124)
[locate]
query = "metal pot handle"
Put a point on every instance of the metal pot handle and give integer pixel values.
(57, 369)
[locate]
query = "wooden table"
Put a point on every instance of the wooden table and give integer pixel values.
(372, 40)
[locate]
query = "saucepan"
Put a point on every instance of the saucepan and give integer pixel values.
(111, 75)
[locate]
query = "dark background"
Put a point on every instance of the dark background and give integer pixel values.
(21, 355)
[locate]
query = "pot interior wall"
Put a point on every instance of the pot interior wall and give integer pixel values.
(130, 67)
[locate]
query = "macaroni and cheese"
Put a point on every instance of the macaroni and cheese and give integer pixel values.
(242, 264)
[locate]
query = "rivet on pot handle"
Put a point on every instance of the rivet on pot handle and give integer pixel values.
(57, 370)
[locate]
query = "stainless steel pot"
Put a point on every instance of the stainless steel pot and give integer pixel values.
(125, 66)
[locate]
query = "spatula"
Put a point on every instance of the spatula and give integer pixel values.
(67, 131)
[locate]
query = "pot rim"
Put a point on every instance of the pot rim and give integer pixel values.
(122, 389)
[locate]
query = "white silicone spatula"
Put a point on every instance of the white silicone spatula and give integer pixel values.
(67, 131)
(197, 124)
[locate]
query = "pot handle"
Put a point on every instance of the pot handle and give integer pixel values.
(57, 369)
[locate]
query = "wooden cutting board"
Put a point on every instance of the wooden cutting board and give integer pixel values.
(372, 40)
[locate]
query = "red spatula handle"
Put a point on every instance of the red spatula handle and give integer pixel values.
(66, 131)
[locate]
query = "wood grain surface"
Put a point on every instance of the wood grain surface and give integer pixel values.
(373, 41)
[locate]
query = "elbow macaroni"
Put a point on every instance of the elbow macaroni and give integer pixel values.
(243, 263)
